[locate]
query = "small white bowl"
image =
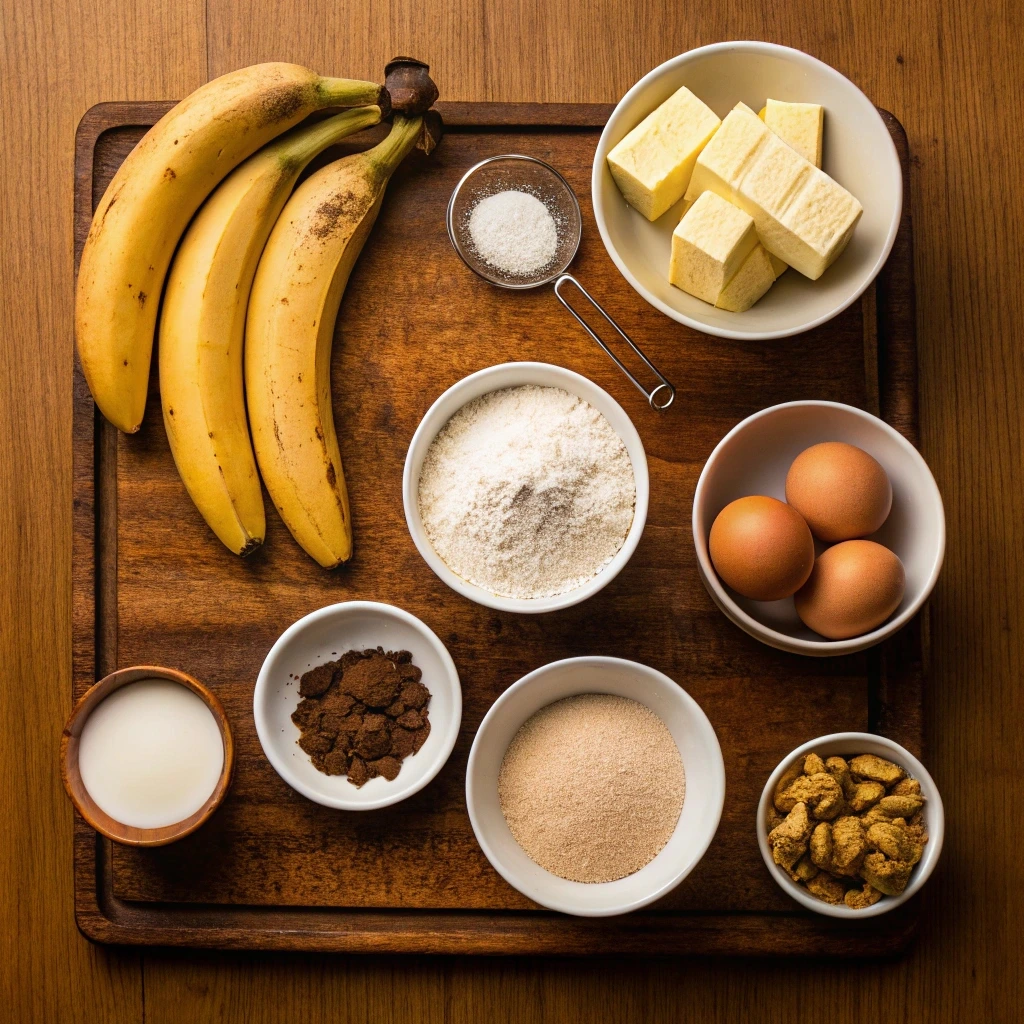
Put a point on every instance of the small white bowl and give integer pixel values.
(850, 744)
(754, 458)
(510, 375)
(858, 152)
(702, 763)
(324, 635)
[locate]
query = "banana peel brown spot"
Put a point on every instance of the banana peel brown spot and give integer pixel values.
(281, 104)
(110, 206)
(142, 298)
(332, 476)
(343, 207)
(169, 174)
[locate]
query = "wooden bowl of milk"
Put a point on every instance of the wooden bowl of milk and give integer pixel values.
(146, 755)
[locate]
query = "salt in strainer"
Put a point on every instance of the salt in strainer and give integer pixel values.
(528, 174)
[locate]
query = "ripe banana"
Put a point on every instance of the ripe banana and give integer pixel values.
(153, 196)
(289, 332)
(202, 325)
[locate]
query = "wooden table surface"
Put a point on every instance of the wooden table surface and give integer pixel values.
(951, 73)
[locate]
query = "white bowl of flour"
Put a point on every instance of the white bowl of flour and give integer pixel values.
(526, 487)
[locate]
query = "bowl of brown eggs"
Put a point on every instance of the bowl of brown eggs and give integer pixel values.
(819, 528)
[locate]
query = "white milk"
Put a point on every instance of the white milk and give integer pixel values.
(151, 753)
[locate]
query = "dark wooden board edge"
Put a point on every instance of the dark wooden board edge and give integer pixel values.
(521, 933)
(896, 702)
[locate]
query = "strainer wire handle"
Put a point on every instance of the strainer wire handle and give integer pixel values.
(663, 387)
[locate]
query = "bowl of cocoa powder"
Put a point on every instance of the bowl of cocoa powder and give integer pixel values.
(358, 705)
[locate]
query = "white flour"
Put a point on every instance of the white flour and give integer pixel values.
(527, 492)
(514, 232)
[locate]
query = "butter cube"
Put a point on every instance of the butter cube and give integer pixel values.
(799, 125)
(653, 163)
(709, 246)
(779, 267)
(750, 282)
(803, 217)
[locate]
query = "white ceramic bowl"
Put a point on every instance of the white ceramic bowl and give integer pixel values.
(324, 635)
(850, 744)
(754, 457)
(510, 375)
(702, 805)
(858, 153)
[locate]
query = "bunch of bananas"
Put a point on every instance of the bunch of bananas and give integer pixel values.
(253, 291)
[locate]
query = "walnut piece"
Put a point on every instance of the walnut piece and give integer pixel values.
(866, 795)
(821, 846)
(887, 876)
(861, 899)
(901, 806)
(789, 840)
(849, 845)
(788, 778)
(840, 771)
(804, 869)
(869, 766)
(826, 888)
(906, 787)
(820, 792)
(895, 840)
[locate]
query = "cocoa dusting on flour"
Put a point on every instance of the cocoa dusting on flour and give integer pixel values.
(363, 714)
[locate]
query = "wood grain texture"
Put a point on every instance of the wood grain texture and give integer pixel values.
(259, 851)
(951, 73)
(56, 60)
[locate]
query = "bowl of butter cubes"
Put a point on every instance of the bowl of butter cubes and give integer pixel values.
(747, 190)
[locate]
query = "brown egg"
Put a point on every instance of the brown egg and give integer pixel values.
(840, 490)
(855, 586)
(762, 548)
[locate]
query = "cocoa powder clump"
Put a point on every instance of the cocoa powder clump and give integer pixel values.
(363, 714)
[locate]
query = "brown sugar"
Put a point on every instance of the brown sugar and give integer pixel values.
(363, 714)
(592, 787)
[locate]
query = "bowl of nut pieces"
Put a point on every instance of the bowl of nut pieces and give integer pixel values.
(850, 825)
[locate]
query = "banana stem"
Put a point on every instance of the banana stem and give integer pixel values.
(409, 84)
(302, 144)
(404, 134)
(350, 92)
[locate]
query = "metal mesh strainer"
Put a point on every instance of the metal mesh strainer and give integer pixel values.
(528, 174)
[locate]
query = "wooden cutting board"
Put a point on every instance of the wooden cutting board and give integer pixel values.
(152, 585)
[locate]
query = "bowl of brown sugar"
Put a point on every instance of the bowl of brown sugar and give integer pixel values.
(595, 785)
